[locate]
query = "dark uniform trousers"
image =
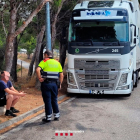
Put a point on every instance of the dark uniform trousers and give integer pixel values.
(49, 94)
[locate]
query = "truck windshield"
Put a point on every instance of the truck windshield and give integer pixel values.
(80, 31)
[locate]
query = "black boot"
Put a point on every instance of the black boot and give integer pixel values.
(14, 110)
(56, 119)
(10, 113)
(45, 120)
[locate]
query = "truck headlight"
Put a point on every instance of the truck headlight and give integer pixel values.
(71, 78)
(123, 79)
(123, 87)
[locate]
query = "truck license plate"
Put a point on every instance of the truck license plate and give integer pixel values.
(96, 92)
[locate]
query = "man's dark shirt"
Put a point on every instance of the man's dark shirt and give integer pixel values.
(3, 86)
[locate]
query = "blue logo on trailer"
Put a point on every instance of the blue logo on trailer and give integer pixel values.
(99, 13)
(107, 13)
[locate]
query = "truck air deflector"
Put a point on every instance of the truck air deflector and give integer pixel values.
(95, 11)
(95, 4)
(100, 14)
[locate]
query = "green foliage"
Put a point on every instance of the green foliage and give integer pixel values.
(1, 42)
(31, 45)
(6, 24)
(28, 42)
(18, 70)
(57, 3)
(56, 44)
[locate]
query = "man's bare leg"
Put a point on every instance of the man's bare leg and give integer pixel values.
(9, 101)
(15, 100)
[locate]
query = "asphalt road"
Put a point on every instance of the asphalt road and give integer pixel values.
(24, 64)
(87, 118)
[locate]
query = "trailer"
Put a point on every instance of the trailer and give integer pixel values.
(103, 47)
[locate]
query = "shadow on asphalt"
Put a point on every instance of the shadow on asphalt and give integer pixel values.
(36, 123)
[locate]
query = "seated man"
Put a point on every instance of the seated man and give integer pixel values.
(12, 95)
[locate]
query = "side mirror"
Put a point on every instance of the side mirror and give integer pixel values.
(137, 35)
(134, 35)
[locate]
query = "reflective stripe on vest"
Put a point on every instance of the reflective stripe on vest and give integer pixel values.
(50, 75)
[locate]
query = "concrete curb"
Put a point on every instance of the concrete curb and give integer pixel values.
(21, 117)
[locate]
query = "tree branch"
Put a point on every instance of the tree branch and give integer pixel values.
(20, 29)
(3, 24)
(63, 15)
(18, 5)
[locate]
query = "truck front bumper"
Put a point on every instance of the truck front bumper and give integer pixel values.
(128, 91)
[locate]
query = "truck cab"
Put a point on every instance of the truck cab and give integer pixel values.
(103, 50)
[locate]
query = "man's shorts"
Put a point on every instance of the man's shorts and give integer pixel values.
(3, 101)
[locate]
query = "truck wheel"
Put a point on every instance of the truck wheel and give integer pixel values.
(138, 75)
(137, 80)
(132, 85)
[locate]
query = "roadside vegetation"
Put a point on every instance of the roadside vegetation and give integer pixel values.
(22, 26)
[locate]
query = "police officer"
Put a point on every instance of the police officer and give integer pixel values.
(49, 77)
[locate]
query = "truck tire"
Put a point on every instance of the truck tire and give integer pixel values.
(137, 80)
(133, 83)
(138, 74)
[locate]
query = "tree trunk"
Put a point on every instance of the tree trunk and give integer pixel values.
(54, 24)
(41, 52)
(39, 43)
(63, 54)
(2, 59)
(54, 32)
(9, 52)
(14, 65)
(28, 56)
(38, 48)
(63, 46)
(30, 71)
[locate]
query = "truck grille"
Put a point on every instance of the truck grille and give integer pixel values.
(96, 74)
(97, 77)
(96, 85)
(95, 62)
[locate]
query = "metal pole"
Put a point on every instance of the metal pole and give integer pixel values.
(48, 27)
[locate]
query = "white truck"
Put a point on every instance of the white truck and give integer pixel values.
(104, 48)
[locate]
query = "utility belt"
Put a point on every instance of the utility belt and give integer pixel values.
(53, 81)
(51, 77)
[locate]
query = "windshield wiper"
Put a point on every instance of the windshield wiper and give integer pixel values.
(107, 44)
(88, 41)
(112, 44)
(84, 44)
